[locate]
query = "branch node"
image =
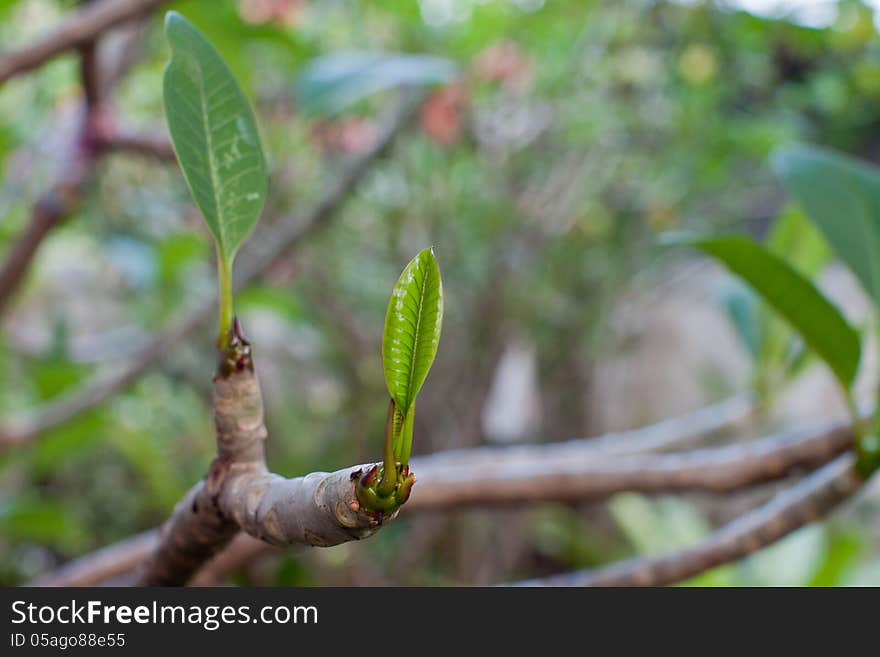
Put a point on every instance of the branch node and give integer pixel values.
(237, 355)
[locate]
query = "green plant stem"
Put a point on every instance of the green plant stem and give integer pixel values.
(224, 282)
(406, 434)
(866, 437)
(389, 473)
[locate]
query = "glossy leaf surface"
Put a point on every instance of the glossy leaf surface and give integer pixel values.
(215, 136)
(412, 330)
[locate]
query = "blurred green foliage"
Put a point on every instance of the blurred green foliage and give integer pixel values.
(573, 133)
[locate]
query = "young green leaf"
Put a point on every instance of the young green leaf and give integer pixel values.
(842, 196)
(819, 322)
(214, 134)
(412, 331)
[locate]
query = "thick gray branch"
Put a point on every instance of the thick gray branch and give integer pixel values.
(196, 531)
(714, 470)
(239, 493)
(318, 509)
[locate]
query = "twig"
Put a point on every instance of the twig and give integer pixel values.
(262, 254)
(104, 564)
(83, 27)
(807, 501)
(50, 210)
(239, 492)
(122, 49)
(62, 198)
(673, 432)
(28, 425)
(78, 168)
(713, 470)
(151, 145)
(90, 74)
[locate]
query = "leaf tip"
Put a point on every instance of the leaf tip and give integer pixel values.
(173, 18)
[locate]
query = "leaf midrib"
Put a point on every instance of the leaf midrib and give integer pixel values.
(415, 349)
(211, 163)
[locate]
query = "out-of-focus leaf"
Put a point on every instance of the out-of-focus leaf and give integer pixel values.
(790, 561)
(6, 5)
(329, 84)
(42, 521)
(665, 525)
(215, 135)
(67, 441)
(794, 238)
(842, 196)
(293, 572)
(410, 339)
(284, 301)
(560, 533)
(222, 23)
(783, 355)
(148, 458)
(657, 526)
(175, 253)
(54, 376)
(741, 307)
(817, 320)
(842, 549)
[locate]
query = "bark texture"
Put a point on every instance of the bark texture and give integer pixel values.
(482, 477)
(239, 493)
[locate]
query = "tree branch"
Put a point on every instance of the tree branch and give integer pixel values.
(62, 198)
(150, 145)
(83, 27)
(239, 492)
(807, 501)
(263, 253)
(90, 75)
(104, 564)
(666, 434)
(93, 137)
(564, 471)
(713, 470)
(120, 558)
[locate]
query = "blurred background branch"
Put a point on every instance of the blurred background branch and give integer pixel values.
(267, 249)
(575, 470)
(79, 31)
(807, 501)
(544, 147)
